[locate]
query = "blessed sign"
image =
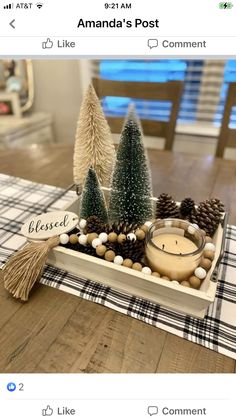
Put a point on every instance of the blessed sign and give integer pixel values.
(49, 224)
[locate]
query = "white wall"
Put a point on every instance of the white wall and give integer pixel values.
(58, 90)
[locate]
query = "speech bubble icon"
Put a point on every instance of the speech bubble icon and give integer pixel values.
(152, 43)
(152, 410)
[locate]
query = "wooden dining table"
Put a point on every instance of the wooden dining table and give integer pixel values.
(80, 336)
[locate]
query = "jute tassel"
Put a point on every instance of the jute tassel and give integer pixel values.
(26, 267)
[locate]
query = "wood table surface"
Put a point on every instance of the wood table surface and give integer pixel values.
(58, 332)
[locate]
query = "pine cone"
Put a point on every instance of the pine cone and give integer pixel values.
(94, 225)
(192, 217)
(215, 202)
(122, 227)
(166, 207)
(111, 246)
(186, 207)
(208, 215)
(88, 250)
(133, 250)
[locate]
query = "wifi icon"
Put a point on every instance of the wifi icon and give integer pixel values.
(39, 5)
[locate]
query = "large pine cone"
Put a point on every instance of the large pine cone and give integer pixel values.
(208, 215)
(166, 207)
(94, 225)
(133, 250)
(186, 207)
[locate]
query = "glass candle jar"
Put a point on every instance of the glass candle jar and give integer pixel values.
(174, 248)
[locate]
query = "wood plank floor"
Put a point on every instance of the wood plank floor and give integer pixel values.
(58, 332)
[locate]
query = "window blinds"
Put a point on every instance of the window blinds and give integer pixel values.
(205, 87)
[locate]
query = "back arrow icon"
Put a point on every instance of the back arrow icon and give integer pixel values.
(12, 24)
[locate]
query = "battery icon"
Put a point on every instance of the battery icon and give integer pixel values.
(225, 5)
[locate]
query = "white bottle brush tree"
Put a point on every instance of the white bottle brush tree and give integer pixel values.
(131, 185)
(93, 144)
(92, 200)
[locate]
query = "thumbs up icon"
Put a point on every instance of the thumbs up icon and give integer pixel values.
(47, 44)
(48, 411)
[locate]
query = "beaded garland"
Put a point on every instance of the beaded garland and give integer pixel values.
(105, 245)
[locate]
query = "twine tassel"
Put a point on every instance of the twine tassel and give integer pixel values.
(26, 267)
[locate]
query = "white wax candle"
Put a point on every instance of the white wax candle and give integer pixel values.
(174, 243)
(180, 262)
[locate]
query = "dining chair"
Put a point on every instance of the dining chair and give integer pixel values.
(227, 136)
(167, 91)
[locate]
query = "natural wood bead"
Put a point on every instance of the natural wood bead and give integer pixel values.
(91, 237)
(140, 234)
(121, 238)
(128, 263)
(195, 282)
(144, 228)
(137, 266)
(205, 263)
(208, 254)
(156, 274)
(208, 239)
(110, 255)
(166, 278)
(101, 250)
(112, 237)
(185, 284)
(73, 239)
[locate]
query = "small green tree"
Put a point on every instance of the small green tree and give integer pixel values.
(92, 200)
(131, 184)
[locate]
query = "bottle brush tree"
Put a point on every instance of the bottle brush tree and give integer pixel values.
(131, 185)
(93, 143)
(92, 199)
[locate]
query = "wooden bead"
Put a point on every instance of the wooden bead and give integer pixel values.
(140, 234)
(121, 238)
(128, 263)
(144, 228)
(91, 237)
(156, 274)
(101, 250)
(208, 239)
(110, 255)
(137, 266)
(205, 263)
(73, 239)
(185, 284)
(112, 237)
(195, 282)
(166, 278)
(209, 254)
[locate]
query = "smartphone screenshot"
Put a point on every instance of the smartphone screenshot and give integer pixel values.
(117, 209)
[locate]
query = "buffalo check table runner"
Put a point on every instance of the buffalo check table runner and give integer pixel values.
(21, 199)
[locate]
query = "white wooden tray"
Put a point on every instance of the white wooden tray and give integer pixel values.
(157, 290)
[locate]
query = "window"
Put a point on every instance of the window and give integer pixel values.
(205, 88)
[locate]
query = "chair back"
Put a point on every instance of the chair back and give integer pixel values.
(227, 136)
(169, 91)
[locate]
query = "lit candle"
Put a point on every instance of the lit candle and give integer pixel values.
(174, 248)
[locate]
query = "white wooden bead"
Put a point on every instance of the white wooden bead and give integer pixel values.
(175, 282)
(103, 237)
(200, 273)
(146, 270)
(148, 223)
(118, 260)
(210, 246)
(82, 223)
(191, 229)
(195, 225)
(64, 238)
(83, 239)
(131, 236)
(96, 242)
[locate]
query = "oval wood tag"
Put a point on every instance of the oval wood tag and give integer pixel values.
(49, 224)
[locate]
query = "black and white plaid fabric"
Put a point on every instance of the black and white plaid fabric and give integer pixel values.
(19, 199)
